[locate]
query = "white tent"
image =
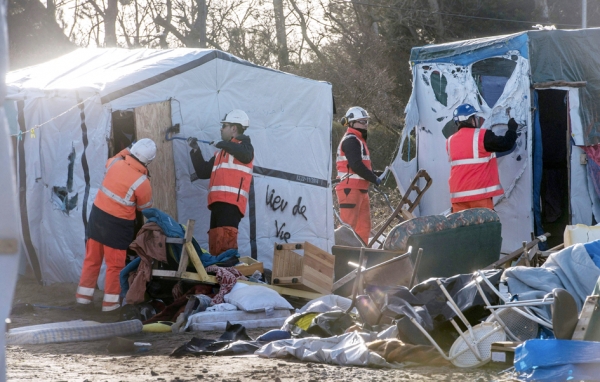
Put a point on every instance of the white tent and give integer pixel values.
(75, 110)
(547, 81)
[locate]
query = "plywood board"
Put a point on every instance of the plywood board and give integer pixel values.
(152, 121)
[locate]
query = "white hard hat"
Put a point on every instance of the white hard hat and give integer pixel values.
(144, 150)
(237, 116)
(356, 112)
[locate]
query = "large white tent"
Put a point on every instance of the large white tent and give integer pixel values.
(75, 110)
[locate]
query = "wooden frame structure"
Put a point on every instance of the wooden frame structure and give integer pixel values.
(188, 253)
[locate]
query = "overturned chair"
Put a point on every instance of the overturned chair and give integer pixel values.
(471, 239)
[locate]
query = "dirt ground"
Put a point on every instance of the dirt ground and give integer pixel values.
(90, 361)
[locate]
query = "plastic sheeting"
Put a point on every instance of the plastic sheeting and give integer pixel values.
(349, 349)
(558, 360)
(541, 56)
(572, 56)
(290, 128)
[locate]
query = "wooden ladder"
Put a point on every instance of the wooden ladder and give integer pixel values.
(400, 213)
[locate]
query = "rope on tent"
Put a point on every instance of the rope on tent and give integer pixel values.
(20, 134)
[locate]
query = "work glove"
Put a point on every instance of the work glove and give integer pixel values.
(220, 144)
(512, 124)
(377, 182)
(377, 173)
(193, 143)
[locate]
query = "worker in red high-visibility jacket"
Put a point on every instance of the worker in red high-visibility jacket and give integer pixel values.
(125, 189)
(474, 178)
(353, 164)
(230, 174)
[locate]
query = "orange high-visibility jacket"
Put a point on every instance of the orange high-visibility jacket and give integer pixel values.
(230, 180)
(125, 187)
(353, 180)
(473, 170)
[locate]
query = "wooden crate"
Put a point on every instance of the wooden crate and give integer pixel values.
(250, 267)
(312, 271)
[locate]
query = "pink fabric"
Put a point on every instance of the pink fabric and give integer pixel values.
(227, 277)
(592, 152)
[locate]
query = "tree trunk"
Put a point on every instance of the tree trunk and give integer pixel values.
(110, 23)
(541, 6)
(434, 6)
(283, 53)
(200, 24)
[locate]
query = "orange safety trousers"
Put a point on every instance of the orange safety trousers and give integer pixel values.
(355, 210)
(481, 203)
(95, 252)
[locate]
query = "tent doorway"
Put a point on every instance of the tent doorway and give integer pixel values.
(554, 188)
(123, 131)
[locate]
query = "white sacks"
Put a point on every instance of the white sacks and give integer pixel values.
(257, 299)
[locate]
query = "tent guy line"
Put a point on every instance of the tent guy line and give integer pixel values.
(20, 134)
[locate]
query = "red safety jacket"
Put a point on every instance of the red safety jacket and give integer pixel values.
(473, 170)
(230, 180)
(125, 187)
(353, 180)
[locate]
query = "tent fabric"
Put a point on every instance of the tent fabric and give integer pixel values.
(469, 51)
(62, 163)
(572, 56)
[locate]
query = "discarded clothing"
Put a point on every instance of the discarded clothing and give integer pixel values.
(399, 352)
(171, 312)
(226, 277)
(149, 244)
(571, 269)
(124, 275)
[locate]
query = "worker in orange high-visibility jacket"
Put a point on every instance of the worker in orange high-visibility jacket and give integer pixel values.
(125, 189)
(230, 174)
(474, 178)
(353, 164)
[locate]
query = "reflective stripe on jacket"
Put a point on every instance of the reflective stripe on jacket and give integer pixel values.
(473, 170)
(350, 179)
(125, 187)
(230, 180)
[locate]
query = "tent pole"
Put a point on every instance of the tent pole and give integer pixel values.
(583, 14)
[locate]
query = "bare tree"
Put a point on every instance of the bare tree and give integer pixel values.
(283, 53)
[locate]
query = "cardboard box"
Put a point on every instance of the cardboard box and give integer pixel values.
(250, 266)
(504, 352)
(312, 270)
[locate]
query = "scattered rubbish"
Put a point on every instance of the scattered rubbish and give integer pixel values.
(120, 345)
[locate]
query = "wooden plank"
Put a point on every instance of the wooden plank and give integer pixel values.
(151, 121)
(287, 291)
(513, 255)
(184, 258)
(552, 84)
(589, 306)
(9, 246)
(197, 263)
(185, 275)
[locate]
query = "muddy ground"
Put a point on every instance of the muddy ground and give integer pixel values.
(90, 361)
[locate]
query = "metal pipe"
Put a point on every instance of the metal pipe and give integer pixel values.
(583, 14)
